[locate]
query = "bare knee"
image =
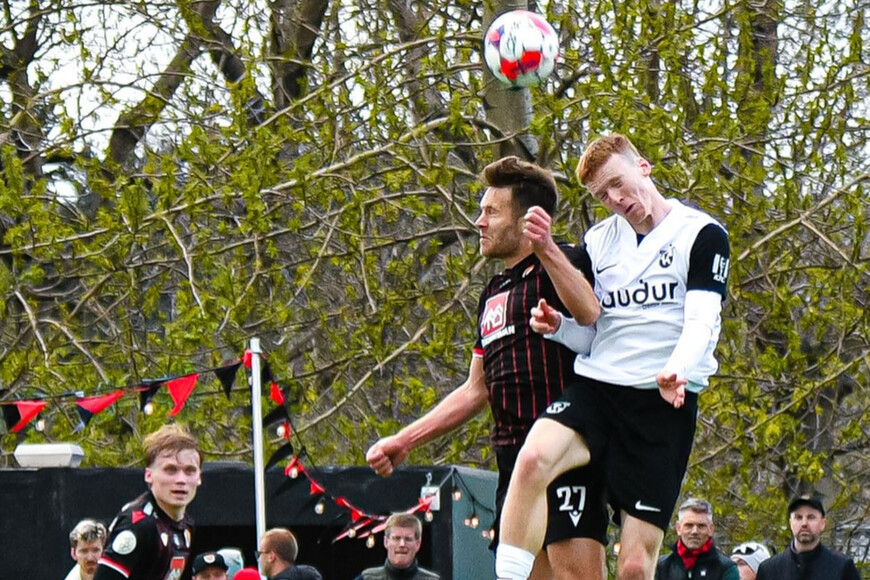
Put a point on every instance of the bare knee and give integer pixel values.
(533, 466)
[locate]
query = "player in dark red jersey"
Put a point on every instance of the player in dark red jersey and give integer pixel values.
(150, 538)
(516, 370)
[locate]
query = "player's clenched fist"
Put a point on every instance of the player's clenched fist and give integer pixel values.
(385, 455)
(545, 319)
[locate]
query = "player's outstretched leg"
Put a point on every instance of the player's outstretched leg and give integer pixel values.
(550, 449)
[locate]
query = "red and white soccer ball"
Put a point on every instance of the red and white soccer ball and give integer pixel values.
(520, 48)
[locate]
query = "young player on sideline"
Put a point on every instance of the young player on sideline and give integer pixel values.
(660, 271)
(150, 538)
(516, 370)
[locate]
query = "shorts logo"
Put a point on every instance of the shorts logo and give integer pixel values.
(645, 508)
(494, 315)
(666, 256)
(557, 407)
(573, 501)
(124, 543)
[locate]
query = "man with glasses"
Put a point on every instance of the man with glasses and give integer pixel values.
(277, 554)
(748, 556)
(694, 554)
(402, 537)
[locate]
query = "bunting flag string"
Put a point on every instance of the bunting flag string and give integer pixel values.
(18, 413)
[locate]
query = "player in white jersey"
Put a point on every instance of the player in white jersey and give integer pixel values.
(660, 270)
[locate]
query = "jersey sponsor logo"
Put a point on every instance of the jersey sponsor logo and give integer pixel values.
(494, 315)
(493, 322)
(720, 268)
(176, 567)
(573, 501)
(641, 507)
(642, 294)
(666, 256)
(557, 407)
(124, 543)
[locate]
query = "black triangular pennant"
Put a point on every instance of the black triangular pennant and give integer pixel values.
(266, 373)
(227, 376)
(283, 452)
(277, 414)
(145, 395)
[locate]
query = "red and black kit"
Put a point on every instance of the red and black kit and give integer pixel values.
(145, 543)
(524, 371)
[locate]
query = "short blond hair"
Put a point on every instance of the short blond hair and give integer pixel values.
(171, 437)
(599, 151)
(404, 521)
(87, 530)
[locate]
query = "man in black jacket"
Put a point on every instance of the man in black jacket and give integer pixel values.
(277, 557)
(806, 558)
(694, 555)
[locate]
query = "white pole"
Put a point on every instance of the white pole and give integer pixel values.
(257, 428)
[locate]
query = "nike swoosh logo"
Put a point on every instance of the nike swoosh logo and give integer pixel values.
(645, 508)
(599, 270)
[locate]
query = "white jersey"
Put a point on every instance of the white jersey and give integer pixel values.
(642, 290)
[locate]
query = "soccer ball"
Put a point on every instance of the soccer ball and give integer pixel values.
(520, 48)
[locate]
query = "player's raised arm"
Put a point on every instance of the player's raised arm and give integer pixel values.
(570, 283)
(463, 403)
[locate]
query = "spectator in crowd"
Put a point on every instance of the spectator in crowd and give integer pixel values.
(248, 574)
(695, 555)
(277, 557)
(806, 558)
(402, 537)
(748, 556)
(86, 540)
(233, 558)
(150, 538)
(209, 566)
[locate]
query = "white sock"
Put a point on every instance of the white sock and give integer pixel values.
(512, 563)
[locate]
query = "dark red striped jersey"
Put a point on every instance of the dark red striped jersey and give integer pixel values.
(145, 543)
(524, 371)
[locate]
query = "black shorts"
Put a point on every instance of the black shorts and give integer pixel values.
(576, 503)
(642, 442)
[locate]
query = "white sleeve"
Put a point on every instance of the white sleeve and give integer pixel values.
(575, 336)
(701, 311)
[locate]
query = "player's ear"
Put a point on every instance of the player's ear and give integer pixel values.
(645, 166)
(148, 477)
(72, 553)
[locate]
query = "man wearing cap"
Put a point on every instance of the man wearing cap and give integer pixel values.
(209, 566)
(748, 556)
(806, 558)
(694, 555)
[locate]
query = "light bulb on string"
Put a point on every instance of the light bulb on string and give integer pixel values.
(370, 542)
(429, 516)
(281, 430)
(457, 494)
(320, 507)
(351, 533)
(148, 409)
(294, 472)
(40, 425)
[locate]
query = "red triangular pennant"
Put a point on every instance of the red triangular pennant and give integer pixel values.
(276, 394)
(21, 413)
(94, 405)
(179, 390)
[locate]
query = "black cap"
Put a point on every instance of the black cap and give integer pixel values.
(207, 559)
(814, 501)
